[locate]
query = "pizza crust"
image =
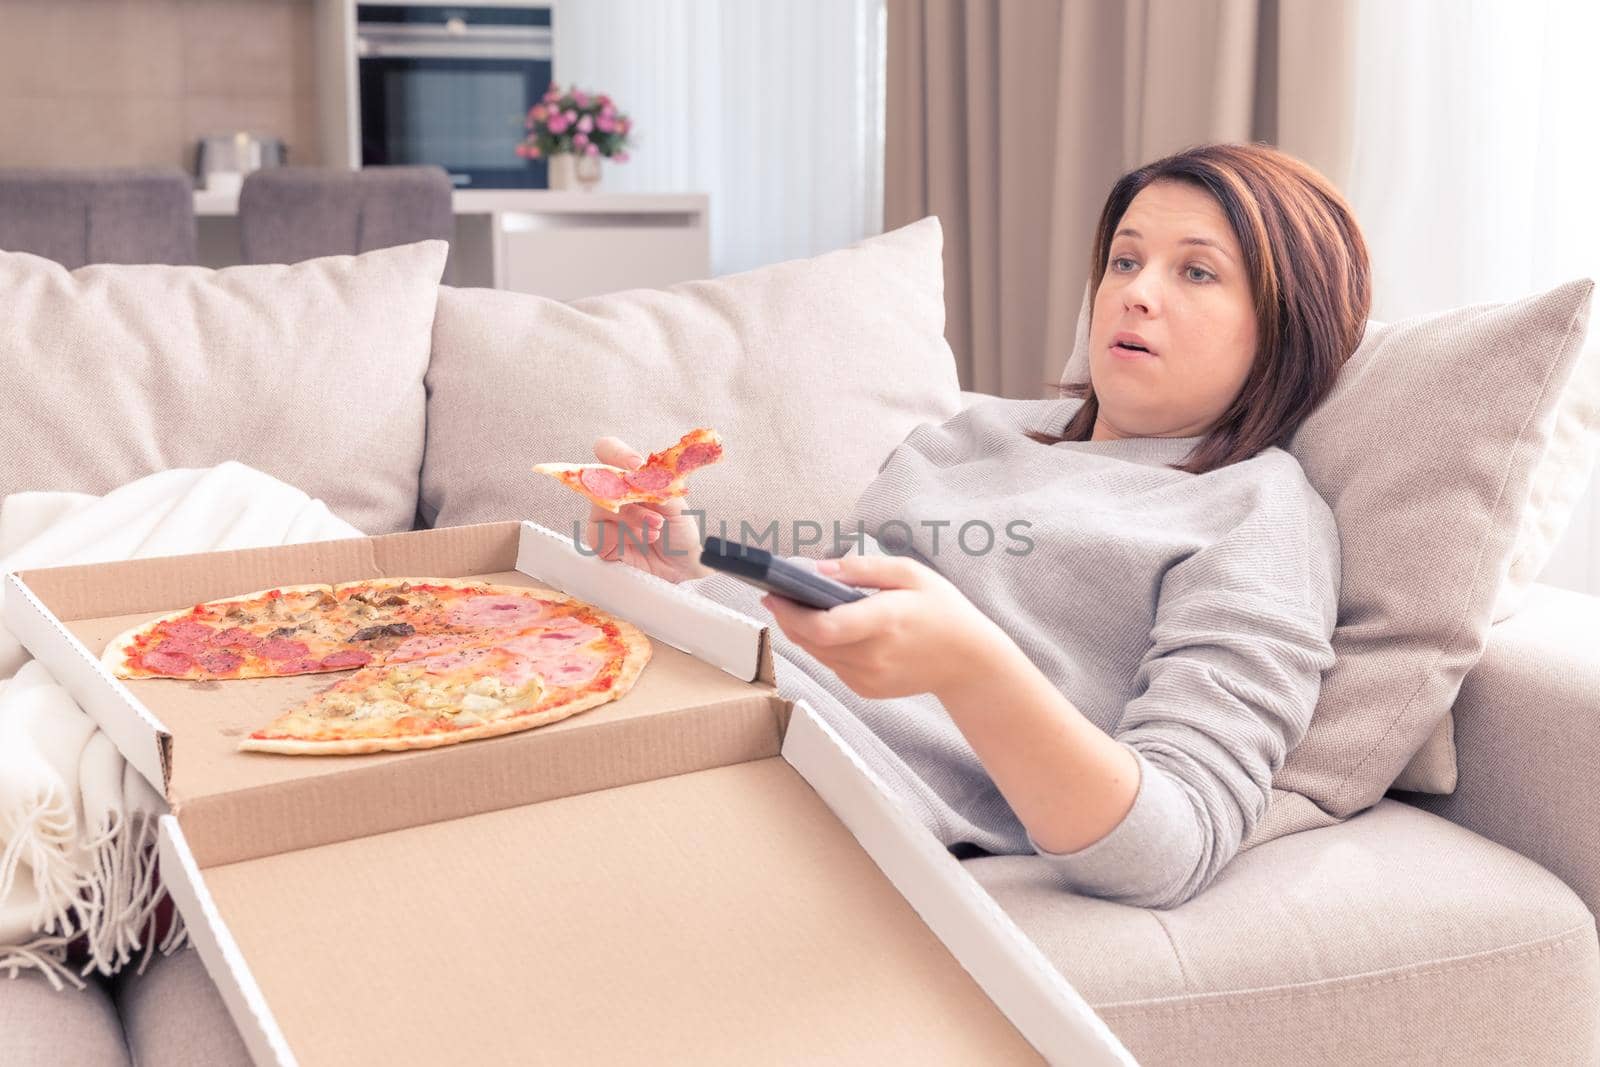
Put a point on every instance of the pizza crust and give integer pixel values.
(636, 653)
(475, 584)
(356, 746)
(577, 468)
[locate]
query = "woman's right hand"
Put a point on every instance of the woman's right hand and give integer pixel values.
(670, 539)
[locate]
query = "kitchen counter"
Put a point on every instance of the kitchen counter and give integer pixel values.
(530, 201)
(560, 244)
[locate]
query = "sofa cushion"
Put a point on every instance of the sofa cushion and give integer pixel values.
(812, 370)
(174, 1015)
(312, 373)
(41, 1026)
(1428, 450)
(1393, 937)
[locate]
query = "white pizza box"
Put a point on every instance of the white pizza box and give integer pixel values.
(700, 871)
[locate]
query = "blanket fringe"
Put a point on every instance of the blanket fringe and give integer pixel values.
(113, 904)
(43, 838)
(47, 955)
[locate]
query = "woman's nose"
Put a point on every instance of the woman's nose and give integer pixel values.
(1140, 292)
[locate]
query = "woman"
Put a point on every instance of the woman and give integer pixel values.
(1116, 695)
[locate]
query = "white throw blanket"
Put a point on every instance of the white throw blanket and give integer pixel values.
(77, 822)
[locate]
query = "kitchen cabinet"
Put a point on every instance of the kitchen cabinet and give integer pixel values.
(558, 244)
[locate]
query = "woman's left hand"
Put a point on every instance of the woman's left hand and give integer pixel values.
(918, 634)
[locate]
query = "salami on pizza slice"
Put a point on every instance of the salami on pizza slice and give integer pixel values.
(662, 477)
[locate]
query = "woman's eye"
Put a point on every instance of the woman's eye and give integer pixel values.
(1199, 274)
(1119, 260)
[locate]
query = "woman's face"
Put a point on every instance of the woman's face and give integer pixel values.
(1175, 281)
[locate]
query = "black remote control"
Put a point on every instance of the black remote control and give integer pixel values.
(775, 574)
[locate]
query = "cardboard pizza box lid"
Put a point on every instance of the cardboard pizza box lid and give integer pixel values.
(777, 908)
(696, 871)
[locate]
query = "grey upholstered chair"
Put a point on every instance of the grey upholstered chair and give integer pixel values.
(287, 214)
(81, 216)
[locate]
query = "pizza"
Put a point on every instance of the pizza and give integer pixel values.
(313, 628)
(434, 661)
(663, 476)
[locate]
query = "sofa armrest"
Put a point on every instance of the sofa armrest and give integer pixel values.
(1527, 723)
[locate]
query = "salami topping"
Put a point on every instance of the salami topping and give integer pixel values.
(188, 638)
(603, 483)
(236, 637)
(698, 455)
(165, 662)
(182, 647)
(648, 479)
(219, 661)
(282, 648)
(187, 632)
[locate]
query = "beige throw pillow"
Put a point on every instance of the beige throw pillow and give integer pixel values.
(1559, 481)
(812, 371)
(311, 372)
(1446, 451)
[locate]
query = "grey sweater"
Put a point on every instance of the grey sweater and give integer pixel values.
(1186, 615)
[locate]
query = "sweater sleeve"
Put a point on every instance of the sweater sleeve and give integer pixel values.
(1242, 636)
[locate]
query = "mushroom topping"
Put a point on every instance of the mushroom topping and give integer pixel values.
(393, 629)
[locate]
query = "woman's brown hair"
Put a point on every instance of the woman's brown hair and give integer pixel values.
(1309, 275)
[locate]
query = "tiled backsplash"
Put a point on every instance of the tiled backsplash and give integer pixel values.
(138, 82)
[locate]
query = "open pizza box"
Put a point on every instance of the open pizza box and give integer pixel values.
(699, 871)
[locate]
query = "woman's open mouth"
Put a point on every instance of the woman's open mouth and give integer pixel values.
(1130, 346)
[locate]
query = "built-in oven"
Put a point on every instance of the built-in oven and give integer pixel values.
(451, 84)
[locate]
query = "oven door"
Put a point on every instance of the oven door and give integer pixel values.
(455, 95)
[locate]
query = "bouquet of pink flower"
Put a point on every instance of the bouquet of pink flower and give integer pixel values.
(584, 124)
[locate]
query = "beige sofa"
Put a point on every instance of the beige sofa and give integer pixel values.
(1428, 929)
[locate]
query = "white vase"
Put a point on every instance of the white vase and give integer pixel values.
(563, 171)
(588, 172)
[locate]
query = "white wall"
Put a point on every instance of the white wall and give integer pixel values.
(773, 108)
(1477, 158)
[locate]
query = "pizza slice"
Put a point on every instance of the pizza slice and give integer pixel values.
(512, 682)
(258, 635)
(663, 476)
(407, 706)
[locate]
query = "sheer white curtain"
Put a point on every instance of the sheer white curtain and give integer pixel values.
(1476, 169)
(774, 109)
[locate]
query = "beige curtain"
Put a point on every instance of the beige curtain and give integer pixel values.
(1011, 119)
